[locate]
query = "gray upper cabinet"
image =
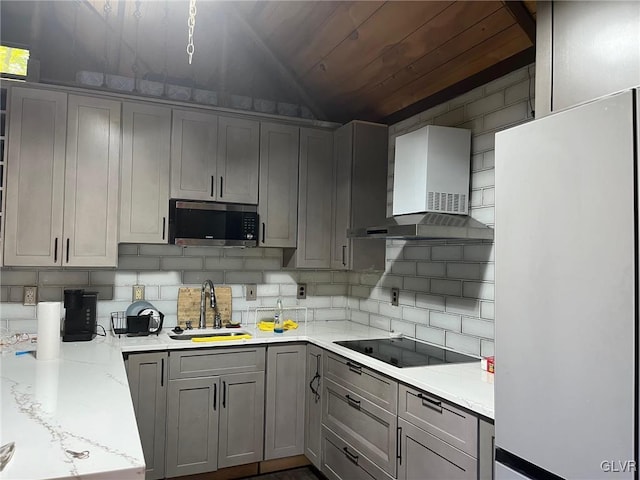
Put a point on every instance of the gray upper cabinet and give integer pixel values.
(62, 180)
(194, 139)
(147, 374)
(35, 177)
(144, 199)
(214, 158)
(315, 198)
(313, 405)
(359, 194)
(278, 199)
(238, 160)
(284, 422)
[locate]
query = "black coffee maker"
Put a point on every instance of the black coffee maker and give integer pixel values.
(80, 316)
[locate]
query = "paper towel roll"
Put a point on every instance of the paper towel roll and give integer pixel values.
(48, 346)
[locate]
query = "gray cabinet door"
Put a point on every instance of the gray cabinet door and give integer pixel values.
(144, 177)
(91, 182)
(284, 419)
(422, 456)
(193, 155)
(313, 405)
(486, 450)
(192, 426)
(35, 177)
(341, 215)
(241, 419)
(147, 373)
(278, 198)
(238, 160)
(315, 198)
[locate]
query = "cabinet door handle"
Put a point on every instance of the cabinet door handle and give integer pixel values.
(224, 394)
(430, 403)
(264, 229)
(399, 445)
(344, 255)
(162, 372)
(67, 250)
(353, 402)
(55, 251)
(215, 395)
(212, 186)
(351, 456)
(355, 368)
(220, 187)
(164, 226)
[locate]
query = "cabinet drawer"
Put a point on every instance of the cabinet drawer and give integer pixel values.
(341, 461)
(368, 427)
(425, 457)
(218, 361)
(365, 382)
(439, 418)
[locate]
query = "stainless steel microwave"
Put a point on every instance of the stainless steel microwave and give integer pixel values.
(193, 223)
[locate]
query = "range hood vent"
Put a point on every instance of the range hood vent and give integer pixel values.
(427, 226)
(430, 188)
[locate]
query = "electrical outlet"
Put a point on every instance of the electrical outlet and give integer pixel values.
(395, 294)
(30, 295)
(302, 291)
(251, 292)
(138, 293)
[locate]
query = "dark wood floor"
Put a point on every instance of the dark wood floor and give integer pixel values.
(303, 473)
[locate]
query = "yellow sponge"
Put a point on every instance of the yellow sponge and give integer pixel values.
(268, 326)
(220, 338)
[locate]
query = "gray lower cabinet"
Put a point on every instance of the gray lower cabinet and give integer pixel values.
(341, 461)
(486, 450)
(284, 419)
(313, 405)
(422, 456)
(240, 439)
(215, 409)
(192, 426)
(147, 374)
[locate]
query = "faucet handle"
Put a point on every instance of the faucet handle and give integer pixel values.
(217, 321)
(189, 326)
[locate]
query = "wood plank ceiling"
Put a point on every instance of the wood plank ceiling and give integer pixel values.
(373, 60)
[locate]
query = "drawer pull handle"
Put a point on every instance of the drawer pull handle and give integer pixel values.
(351, 456)
(355, 368)
(224, 394)
(399, 445)
(162, 372)
(430, 403)
(215, 395)
(353, 402)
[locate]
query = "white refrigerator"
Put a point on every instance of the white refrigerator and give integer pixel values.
(567, 293)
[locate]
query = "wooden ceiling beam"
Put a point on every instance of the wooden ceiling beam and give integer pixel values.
(523, 17)
(285, 73)
(524, 58)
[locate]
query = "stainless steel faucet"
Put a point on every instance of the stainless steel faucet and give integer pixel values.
(212, 297)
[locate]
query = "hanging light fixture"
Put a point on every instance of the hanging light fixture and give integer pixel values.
(191, 22)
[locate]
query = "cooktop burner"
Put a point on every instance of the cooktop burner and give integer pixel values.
(403, 352)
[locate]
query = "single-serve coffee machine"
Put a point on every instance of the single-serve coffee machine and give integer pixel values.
(80, 316)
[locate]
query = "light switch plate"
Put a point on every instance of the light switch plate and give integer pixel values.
(30, 295)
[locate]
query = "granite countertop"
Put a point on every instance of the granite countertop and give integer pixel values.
(82, 402)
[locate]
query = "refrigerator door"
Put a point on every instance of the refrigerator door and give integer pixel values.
(565, 290)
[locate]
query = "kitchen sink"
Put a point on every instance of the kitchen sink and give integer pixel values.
(190, 336)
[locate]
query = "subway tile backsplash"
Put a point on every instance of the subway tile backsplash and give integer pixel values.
(446, 287)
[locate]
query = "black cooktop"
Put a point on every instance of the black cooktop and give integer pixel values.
(403, 352)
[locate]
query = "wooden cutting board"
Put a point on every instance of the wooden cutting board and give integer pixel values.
(189, 306)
